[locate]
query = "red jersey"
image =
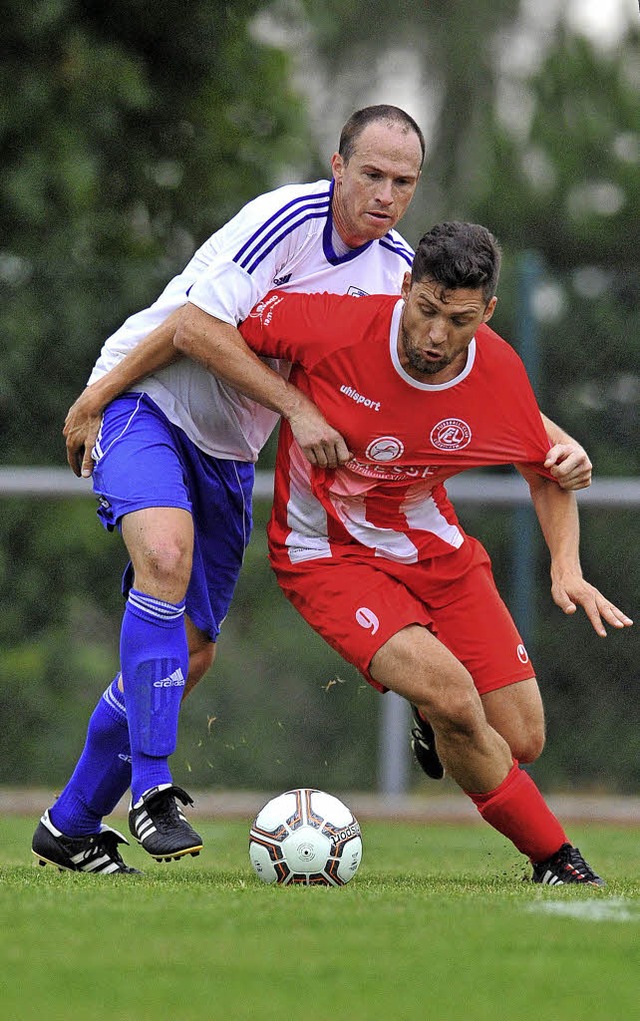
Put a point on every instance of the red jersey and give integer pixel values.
(407, 437)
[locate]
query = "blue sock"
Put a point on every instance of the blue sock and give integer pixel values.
(103, 772)
(155, 662)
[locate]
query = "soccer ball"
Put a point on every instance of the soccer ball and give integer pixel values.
(307, 837)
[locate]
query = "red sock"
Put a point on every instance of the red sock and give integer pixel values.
(517, 809)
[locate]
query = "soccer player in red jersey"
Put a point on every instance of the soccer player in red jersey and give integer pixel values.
(371, 552)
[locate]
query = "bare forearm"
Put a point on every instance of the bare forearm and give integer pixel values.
(554, 432)
(558, 516)
(557, 513)
(221, 349)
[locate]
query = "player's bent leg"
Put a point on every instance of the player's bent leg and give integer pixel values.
(517, 713)
(417, 666)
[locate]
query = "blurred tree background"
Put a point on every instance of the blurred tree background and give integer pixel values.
(130, 131)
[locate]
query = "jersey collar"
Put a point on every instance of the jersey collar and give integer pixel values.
(327, 239)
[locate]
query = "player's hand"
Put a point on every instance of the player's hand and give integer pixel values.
(569, 591)
(80, 431)
(322, 445)
(570, 465)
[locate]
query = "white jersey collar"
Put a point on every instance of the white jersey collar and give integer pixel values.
(395, 357)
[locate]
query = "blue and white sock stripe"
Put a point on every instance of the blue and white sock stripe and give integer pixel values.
(273, 230)
(115, 698)
(157, 608)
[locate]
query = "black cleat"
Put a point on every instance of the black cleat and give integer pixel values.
(565, 866)
(423, 745)
(97, 852)
(157, 822)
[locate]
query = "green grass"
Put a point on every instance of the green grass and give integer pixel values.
(436, 925)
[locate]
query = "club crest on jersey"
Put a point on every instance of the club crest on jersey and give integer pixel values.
(264, 309)
(357, 292)
(385, 448)
(451, 434)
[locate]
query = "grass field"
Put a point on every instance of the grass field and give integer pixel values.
(436, 925)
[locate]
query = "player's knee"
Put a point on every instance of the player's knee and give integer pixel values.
(166, 565)
(456, 712)
(528, 747)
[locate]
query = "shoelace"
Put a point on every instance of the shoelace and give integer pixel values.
(166, 811)
(575, 862)
(108, 842)
(103, 843)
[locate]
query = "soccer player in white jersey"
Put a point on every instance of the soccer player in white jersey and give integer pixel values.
(371, 553)
(173, 468)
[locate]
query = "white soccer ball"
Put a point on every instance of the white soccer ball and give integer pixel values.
(305, 836)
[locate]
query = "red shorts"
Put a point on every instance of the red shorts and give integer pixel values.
(357, 604)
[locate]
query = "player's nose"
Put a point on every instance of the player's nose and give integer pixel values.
(437, 332)
(385, 193)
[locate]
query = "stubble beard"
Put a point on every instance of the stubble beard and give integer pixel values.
(425, 367)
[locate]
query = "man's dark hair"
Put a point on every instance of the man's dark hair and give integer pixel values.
(456, 255)
(368, 115)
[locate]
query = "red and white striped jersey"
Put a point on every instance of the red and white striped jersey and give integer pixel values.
(407, 437)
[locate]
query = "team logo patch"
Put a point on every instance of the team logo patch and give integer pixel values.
(451, 434)
(385, 448)
(357, 292)
(522, 654)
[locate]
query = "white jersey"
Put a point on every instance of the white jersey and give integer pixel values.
(284, 239)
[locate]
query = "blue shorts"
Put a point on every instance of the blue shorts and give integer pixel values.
(143, 460)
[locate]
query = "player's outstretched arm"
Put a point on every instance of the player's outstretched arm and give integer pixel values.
(221, 349)
(153, 352)
(567, 460)
(557, 513)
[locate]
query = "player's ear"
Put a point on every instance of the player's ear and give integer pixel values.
(337, 165)
(490, 309)
(406, 285)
